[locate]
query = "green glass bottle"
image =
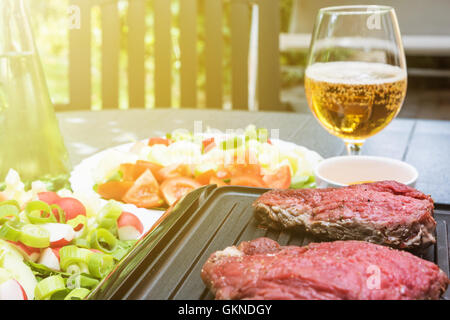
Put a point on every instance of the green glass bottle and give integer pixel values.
(30, 139)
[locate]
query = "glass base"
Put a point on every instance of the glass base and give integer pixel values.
(354, 147)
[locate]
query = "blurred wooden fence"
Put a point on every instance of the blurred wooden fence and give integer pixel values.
(268, 70)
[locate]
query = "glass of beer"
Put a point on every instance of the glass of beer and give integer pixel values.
(355, 80)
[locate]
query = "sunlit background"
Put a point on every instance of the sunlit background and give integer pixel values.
(428, 71)
(49, 20)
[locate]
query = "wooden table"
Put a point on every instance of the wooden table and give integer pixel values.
(423, 143)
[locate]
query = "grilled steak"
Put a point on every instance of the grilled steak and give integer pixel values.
(387, 212)
(352, 270)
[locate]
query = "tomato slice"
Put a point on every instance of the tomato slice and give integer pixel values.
(208, 144)
(158, 140)
(173, 171)
(223, 173)
(217, 181)
(245, 169)
(247, 166)
(247, 180)
(114, 189)
(175, 188)
(144, 192)
(281, 179)
(209, 147)
(204, 177)
(142, 165)
(150, 200)
(128, 172)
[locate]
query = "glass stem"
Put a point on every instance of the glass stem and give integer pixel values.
(354, 147)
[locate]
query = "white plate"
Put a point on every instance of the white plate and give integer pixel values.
(82, 178)
(82, 181)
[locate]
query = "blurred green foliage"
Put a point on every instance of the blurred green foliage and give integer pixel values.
(49, 21)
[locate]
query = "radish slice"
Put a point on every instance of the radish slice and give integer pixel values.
(12, 290)
(29, 253)
(129, 226)
(50, 259)
(48, 197)
(60, 234)
(72, 207)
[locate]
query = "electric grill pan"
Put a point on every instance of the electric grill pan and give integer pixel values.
(176, 251)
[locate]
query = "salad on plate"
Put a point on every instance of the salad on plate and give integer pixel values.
(157, 172)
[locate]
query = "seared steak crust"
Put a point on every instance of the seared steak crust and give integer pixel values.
(387, 212)
(352, 270)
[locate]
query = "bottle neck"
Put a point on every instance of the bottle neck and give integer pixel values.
(15, 31)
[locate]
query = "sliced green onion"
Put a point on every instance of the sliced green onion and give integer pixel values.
(303, 182)
(263, 134)
(78, 268)
(117, 176)
(100, 264)
(108, 215)
(73, 269)
(81, 281)
(310, 185)
(11, 202)
(73, 281)
(108, 224)
(77, 294)
(23, 218)
(250, 133)
(10, 232)
(34, 236)
(75, 222)
(232, 143)
(48, 287)
(70, 255)
(81, 242)
(103, 240)
(8, 211)
(39, 212)
(119, 253)
(83, 267)
(88, 282)
(181, 134)
(122, 248)
(299, 182)
(60, 295)
(111, 211)
(60, 212)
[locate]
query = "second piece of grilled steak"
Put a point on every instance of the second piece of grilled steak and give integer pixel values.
(349, 270)
(386, 212)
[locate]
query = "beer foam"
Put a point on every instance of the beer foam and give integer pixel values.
(352, 72)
